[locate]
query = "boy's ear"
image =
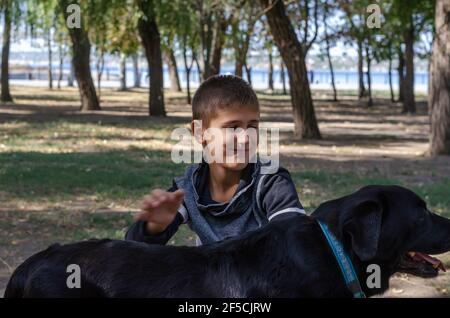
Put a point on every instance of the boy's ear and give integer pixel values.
(197, 130)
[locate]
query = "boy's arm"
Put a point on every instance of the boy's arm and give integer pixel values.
(279, 197)
(138, 231)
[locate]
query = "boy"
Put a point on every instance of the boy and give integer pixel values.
(219, 199)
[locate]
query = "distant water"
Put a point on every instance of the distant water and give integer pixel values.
(319, 79)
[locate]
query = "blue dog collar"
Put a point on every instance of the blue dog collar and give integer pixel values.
(345, 264)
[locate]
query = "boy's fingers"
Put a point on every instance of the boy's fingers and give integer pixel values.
(176, 196)
(147, 203)
(179, 194)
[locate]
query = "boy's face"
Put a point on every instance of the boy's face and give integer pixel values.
(231, 136)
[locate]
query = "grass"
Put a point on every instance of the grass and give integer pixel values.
(124, 176)
(334, 185)
(108, 175)
(116, 163)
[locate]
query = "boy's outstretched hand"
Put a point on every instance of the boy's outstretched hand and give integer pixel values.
(159, 209)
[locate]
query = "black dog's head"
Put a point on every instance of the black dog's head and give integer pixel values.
(380, 224)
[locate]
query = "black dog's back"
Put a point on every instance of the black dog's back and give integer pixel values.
(126, 265)
(37, 263)
(17, 282)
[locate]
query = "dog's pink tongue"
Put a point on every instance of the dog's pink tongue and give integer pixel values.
(421, 257)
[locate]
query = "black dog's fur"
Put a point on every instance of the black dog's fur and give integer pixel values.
(286, 258)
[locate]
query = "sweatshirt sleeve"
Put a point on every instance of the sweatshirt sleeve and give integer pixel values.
(137, 231)
(279, 195)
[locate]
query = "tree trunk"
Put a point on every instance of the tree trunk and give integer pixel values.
(292, 53)
(368, 74)
(136, 71)
(248, 72)
(271, 86)
(49, 46)
(409, 104)
(151, 41)
(188, 80)
(81, 48)
(71, 75)
(333, 82)
(206, 38)
(330, 64)
(283, 77)
(238, 65)
(199, 70)
(219, 39)
(241, 50)
(173, 70)
(439, 93)
(401, 75)
(187, 68)
(5, 93)
(391, 88)
(61, 62)
(123, 72)
(361, 87)
(99, 66)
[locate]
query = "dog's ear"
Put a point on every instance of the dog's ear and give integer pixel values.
(362, 223)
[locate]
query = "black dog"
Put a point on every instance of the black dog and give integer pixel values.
(286, 258)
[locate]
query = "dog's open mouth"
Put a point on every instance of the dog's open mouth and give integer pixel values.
(420, 264)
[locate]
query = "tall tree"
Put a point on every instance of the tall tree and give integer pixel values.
(62, 40)
(211, 24)
(7, 9)
(283, 77)
(413, 17)
(292, 52)
(355, 29)
(136, 70)
(269, 46)
(219, 35)
(401, 73)
(81, 49)
(43, 19)
(409, 103)
(50, 59)
(205, 12)
(151, 41)
(118, 27)
(329, 38)
(171, 62)
(369, 57)
(439, 90)
(186, 41)
(173, 23)
(123, 72)
(243, 20)
(104, 17)
(305, 14)
(168, 22)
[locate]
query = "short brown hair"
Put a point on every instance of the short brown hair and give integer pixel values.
(219, 92)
